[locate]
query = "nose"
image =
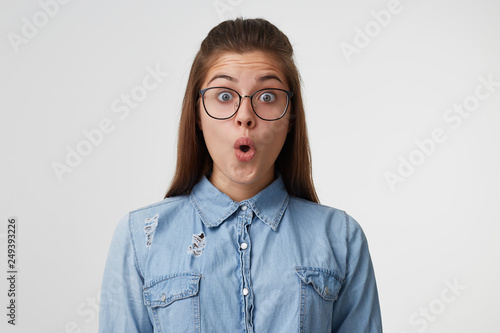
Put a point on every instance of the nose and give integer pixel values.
(245, 115)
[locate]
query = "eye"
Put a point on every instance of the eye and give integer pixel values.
(224, 96)
(267, 97)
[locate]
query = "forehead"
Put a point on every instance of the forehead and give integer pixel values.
(250, 64)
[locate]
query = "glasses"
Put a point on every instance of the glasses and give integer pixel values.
(223, 103)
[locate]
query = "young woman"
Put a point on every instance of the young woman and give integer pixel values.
(240, 243)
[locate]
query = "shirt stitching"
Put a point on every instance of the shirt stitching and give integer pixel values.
(136, 260)
(163, 202)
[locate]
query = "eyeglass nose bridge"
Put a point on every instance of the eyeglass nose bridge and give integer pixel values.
(241, 99)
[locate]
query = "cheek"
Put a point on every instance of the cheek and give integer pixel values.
(213, 135)
(209, 133)
(275, 134)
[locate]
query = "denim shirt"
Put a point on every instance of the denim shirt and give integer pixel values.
(205, 263)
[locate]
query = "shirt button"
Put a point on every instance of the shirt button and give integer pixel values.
(245, 291)
(163, 298)
(244, 207)
(243, 246)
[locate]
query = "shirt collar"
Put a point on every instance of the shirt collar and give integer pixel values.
(214, 207)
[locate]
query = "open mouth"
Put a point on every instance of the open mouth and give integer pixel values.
(244, 149)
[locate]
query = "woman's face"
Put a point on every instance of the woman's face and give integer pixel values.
(244, 147)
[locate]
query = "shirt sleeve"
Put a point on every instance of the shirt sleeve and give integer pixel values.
(357, 308)
(122, 306)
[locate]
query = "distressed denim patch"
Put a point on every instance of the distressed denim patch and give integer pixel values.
(198, 244)
(149, 229)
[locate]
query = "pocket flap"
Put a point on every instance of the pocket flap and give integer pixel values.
(167, 289)
(326, 283)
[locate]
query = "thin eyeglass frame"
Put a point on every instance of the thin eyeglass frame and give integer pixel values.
(289, 95)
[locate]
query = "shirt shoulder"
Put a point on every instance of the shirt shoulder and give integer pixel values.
(162, 204)
(164, 207)
(337, 221)
(129, 221)
(140, 226)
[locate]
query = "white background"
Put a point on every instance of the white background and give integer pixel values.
(364, 113)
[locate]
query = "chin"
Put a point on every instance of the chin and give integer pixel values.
(244, 176)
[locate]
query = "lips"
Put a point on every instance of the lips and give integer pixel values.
(244, 149)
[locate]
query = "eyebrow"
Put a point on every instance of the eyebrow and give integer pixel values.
(232, 79)
(223, 76)
(269, 77)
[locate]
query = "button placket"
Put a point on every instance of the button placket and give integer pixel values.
(245, 248)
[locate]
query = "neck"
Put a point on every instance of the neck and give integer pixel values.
(241, 190)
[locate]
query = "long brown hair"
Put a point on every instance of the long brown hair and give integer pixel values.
(193, 158)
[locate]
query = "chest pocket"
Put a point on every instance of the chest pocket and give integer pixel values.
(174, 303)
(319, 288)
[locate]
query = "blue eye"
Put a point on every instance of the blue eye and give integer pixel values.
(267, 97)
(224, 96)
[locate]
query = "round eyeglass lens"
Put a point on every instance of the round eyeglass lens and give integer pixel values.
(270, 103)
(221, 102)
